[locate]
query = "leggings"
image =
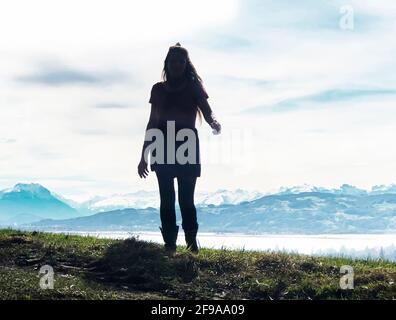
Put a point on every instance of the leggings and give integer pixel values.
(186, 187)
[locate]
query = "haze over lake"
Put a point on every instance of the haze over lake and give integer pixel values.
(352, 245)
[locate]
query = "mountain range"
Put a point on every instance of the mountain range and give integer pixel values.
(297, 210)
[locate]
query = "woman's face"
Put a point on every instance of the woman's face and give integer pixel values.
(176, 64)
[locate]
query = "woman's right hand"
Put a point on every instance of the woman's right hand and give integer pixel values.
(216, 126)
(142, 169)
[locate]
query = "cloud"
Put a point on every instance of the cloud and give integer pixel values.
(44, 152)
(308, 15)
(93, 132)
(8, 140)
(235, 80)
(324, 97)
(223, 42)
(69, 76)
(111, 106)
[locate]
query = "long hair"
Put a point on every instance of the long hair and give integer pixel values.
(190, 72)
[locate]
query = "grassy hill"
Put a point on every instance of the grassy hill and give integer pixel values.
(91, 268)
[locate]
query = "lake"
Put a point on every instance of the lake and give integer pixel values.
(351, 245)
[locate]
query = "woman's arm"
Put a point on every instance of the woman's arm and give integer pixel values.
(152, 123)
(206, 110)
(208, 114)
(202, 102)
(154, 116)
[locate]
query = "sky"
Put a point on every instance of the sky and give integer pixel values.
(304, 91)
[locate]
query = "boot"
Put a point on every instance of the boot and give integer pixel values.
(170, 237)
(191, 240)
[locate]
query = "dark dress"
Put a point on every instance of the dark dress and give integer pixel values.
(180, 106)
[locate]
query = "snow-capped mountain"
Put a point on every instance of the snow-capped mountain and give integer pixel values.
(33, 190)
(381, 189)
(71, 203)
(223, 197)
(343, 189)
(139, 199)
(150, 199)
(27, 202)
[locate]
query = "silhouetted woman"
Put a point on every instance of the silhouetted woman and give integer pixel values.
(179, 98)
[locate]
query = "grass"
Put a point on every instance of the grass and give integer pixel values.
(92, 268)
